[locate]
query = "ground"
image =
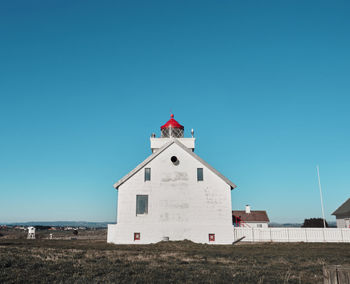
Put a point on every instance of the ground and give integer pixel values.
(88, 258)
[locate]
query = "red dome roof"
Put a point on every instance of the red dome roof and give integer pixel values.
(172, 123)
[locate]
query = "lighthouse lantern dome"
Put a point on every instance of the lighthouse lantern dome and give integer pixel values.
(172, 129)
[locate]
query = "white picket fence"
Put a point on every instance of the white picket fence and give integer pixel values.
(337, 235)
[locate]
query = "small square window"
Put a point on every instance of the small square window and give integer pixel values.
(137, 236)
(147, 174)
(199, 174)
(211, 237)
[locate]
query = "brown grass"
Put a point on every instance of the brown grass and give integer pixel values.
(84, 260)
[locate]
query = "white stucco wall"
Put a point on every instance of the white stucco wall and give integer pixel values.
(257, 224)
(340, 223)
(179, 206)
(343, 222)
(157, 143)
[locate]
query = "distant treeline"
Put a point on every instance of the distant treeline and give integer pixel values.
(314, 223)
(63, 224)
(40, 227)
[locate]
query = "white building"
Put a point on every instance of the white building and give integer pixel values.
(342, 215)
(250, 218)
(173, 195)
(31, 233)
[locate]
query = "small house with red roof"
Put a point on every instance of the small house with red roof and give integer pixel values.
(173, 195)
(250, 218)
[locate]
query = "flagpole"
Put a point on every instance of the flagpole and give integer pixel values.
(319, 185)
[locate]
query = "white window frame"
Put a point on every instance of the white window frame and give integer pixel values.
(198, 170)
(137, 207)
(147, 174)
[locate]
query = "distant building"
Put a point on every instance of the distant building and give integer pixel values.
(342, 214)
(250, 218)
(173, 195)
(31, 233)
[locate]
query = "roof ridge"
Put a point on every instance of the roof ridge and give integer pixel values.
(251, 210)
(345, 206)
(206, 164)
(143, 163)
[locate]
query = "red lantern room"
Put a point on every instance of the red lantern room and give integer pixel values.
(172, 129)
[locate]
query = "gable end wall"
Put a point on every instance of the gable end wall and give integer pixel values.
(179, 206)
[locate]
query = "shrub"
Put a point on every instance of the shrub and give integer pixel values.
(314, 223)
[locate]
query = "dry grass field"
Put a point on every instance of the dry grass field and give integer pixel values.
(91, 259)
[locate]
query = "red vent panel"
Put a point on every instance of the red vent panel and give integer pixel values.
(211, 237)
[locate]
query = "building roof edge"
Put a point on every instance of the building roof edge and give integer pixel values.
(159, 151)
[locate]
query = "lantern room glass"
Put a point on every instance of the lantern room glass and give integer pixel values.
(172, 132)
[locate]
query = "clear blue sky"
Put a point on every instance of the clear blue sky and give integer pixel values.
(83, 84)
